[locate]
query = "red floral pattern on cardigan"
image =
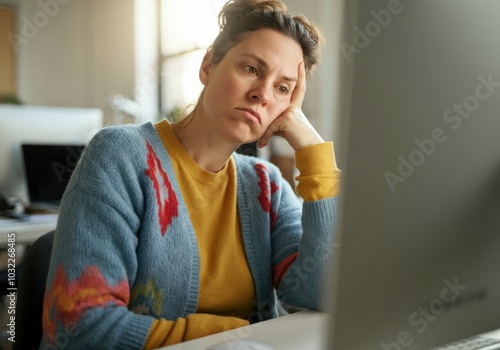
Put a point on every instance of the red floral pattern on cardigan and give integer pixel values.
(168, 204)
(266, 191)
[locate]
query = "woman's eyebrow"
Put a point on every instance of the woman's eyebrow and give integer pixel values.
(265, 65)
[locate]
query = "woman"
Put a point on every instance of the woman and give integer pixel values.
(165, 234)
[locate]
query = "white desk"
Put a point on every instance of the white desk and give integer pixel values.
(299, 331)
(28, 230)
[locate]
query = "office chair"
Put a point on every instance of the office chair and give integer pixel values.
(31, 291)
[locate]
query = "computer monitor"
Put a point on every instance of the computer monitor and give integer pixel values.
(48, 169)
(39, 125)
(417, 255)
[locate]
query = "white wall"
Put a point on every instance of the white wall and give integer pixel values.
(146, 89)
(89, 50)
(81, 52)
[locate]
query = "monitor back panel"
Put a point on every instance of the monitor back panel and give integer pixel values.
(417, 255)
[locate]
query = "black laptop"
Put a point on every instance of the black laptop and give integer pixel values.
(48, 169)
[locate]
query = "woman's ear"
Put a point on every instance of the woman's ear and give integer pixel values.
(206, 67)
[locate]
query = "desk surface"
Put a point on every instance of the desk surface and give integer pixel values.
(303, 330)
(298, 331)
(28, 230)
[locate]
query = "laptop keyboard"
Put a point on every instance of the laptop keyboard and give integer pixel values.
(473, 343)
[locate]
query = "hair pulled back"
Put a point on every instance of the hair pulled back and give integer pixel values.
(239, 17)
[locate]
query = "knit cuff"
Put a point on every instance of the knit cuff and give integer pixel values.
(319, 176)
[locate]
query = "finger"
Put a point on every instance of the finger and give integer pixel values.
(264, 139)
(300, 89)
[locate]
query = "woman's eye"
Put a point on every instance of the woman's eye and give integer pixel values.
(251, 69)
(283, 89)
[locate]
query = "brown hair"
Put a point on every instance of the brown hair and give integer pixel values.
(238, 17)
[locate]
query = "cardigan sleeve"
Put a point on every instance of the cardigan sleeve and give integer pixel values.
(93, 262)
(303, 241)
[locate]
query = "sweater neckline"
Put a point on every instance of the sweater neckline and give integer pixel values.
(179, 154)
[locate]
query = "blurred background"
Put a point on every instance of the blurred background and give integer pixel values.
(134, 60)
(137, 57)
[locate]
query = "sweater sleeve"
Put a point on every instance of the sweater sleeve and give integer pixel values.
(303, 240)
(319, 176)
(302, 256)
(93, 262)
(164, 332)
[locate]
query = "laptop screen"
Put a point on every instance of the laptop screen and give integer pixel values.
(48, 170)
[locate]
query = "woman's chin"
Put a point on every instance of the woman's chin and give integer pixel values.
(244, 137)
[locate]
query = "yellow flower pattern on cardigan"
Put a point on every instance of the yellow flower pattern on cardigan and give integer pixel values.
(147, 299)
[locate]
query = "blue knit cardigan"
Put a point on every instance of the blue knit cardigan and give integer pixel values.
(125, 251)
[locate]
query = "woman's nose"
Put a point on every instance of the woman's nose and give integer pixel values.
(260, 92)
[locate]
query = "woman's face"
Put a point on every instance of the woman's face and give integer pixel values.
(251, 86)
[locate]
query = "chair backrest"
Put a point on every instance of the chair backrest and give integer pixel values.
(31, 291)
